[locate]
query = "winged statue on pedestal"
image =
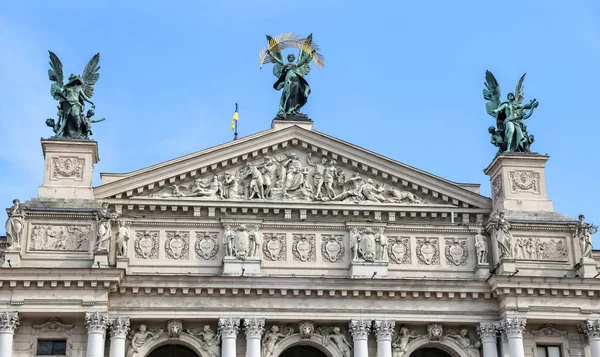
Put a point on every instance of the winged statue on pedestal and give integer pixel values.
(72, 122)
(510, 133)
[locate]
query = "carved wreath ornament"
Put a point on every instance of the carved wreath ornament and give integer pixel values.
(332, 247)
(456, 251)
(303, 247)
(67, 167)
(428, 251)
(206, 245)
(399, 250)
(146, 245)
(274, 246)
(177, 245)
(524, 181)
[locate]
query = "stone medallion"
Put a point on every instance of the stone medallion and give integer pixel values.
(366, 246)
(206, 245)
(399, 250)
(428, 251)
(146, 245)
(177, 245)
(303, 247)
(456, 251)
(332, 248)
(241, 242)
(274, 246)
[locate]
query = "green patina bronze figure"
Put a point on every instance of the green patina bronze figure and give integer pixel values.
(290, 75)
(72, 123)
(510, 134)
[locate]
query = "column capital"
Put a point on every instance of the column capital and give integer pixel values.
(384, 329)
(119, 327)
(591, 329)
(360, 329)
(9, 322)
(254, 327)
(513, 326)
(96, 322)
(488, 331)
(229, 327)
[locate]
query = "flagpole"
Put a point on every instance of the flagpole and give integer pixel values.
(235, 134)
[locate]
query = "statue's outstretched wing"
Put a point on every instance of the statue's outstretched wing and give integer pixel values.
(90, 75)
(274, 51)
(305, 55)
(491, 93)
(56, 74)
(519, 94)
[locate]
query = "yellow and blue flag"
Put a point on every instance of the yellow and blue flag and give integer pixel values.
(235, 117)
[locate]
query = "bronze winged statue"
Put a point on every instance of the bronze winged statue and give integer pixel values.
(290, 76)
(73, 122)
(510, 133)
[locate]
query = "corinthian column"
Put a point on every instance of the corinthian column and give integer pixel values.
(514, 327)
(384, 330)
(360, 333)
(254, 329)
(229, 328)
(96, 323)
(488, 331)
(119, 328)
(9, 321)
(592, 330)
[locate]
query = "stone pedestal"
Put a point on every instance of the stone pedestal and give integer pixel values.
(100, 260)
(122, 262)
(482, 271)
(68, 169)
(12, 259)
(506, 267)
(519, 182)
(374, 270)
(236, 267)
(586, 268)
(303, 122)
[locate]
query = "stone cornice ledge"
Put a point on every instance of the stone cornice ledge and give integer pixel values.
(60, 278)
(544, 286)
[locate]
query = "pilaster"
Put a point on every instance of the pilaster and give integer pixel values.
(9, 322)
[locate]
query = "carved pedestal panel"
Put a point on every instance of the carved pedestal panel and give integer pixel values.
(373, 270)
(237, 267)
(100, 260)
(586, 268)
(68, 169)
(12, 259)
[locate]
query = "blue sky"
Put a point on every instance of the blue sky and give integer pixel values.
(401, 78)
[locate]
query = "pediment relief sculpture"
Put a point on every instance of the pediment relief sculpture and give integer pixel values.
(291, 176)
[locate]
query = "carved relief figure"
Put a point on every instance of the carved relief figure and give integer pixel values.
(104, 218)
(256, 186)
(504, 237)
(213, 189)
(351, 190)
(140, 337)
(462, 338)
(209, 340)
(400, 343)
(122, 239)
(399, 196)
(481, 247)
(174, 328)
(269, 172)
(270, 340)
(435, 332)
(583, 232)
(230, 186)
(256, 242)
(329, 175)
(540, 249)
(371, 192)
(14, 225)
(340, 341)
(319, 175)
(364, 244)
(243, 242)
(382, 244)
(228, 237)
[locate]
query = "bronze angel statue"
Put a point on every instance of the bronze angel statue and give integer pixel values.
(290, 75)
(72, 122)
(510, 134)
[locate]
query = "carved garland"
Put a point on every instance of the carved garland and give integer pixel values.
(177, 245)
(67, 167)
(146, 245)
(274, 248)
(524, 181)
(497, 189)
(207, 245)
(428, 251)
(303, 247)
(399, 250)
(333, 248)
(456, 251)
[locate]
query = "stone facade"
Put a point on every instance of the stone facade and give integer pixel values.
(287, 238)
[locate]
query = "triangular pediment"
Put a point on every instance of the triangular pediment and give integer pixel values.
(288, 163)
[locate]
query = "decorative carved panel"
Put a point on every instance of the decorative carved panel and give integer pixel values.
(549, 249)
(524, 181)
(456, 251)
(303, 247)
(177, 245)
(399, 250)
(428, 251)
(332, 247)
(207, 245)
(274, 247)
(497, 188)
(146, 244)
(63, 238)
(66, 167)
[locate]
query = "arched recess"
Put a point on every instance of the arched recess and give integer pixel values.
(184, 339)
(316, 341)
(446, 345)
